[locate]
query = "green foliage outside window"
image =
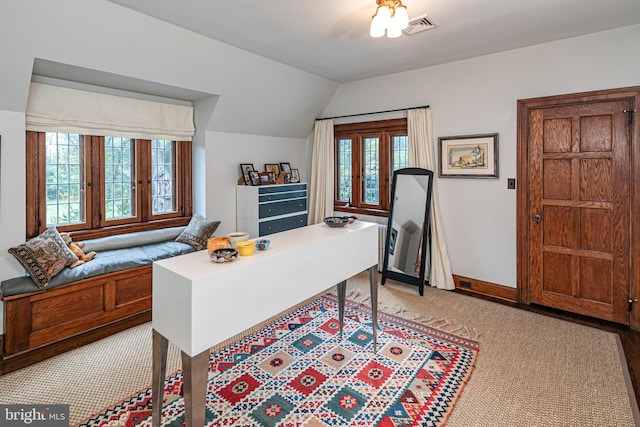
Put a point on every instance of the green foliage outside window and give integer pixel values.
(64, 178)
(118, 177)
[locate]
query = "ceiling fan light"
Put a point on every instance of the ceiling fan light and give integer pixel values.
(376, 30)
(383, 16)
(393, 32)
(401, 18)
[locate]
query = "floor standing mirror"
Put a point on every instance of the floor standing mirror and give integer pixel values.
(407, 250)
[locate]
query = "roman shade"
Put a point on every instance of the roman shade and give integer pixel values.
(59, 109)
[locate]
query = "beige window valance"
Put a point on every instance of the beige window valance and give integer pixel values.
(59, 109)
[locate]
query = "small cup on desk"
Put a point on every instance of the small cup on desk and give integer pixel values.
(217, 242)
(236, 237)
(262, 244)
(246, 247)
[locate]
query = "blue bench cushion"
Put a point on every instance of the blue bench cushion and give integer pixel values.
(129, 240)
(104, 262)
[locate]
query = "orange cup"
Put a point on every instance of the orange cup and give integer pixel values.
(214, 243)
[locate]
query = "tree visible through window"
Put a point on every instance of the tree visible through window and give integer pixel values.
(64, 170)
(162, 176)
(84, 183)
(119, 181)
(367, 154)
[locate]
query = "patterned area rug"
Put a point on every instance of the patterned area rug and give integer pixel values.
(298, 372)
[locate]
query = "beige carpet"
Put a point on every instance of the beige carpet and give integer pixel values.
(532, 370)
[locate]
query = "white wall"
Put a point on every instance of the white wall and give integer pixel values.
(226, 151)
(480, 96)
(243, 94)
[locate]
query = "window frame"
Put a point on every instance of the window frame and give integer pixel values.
(95, 224)
(385, 130)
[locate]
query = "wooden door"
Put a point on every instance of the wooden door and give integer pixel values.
(579, 207)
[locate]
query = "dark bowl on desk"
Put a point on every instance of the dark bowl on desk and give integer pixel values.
(224, 255)
(339, 221)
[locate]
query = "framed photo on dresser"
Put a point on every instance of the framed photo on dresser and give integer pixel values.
(272, 167)
(295, 176)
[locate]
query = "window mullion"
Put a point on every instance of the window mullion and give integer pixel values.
(143, 177)
(356, 155)
(384, 168)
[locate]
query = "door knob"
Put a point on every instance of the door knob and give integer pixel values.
(537, 218)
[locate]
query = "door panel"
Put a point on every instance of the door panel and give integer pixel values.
(579, 172)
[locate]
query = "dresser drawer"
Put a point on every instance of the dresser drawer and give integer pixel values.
(283, 224)
(282, 196)
(267, 210)
(281, 188)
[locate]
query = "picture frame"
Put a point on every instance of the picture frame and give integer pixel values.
(272, 167)
(272, 177)
(255, 177)
(245, 168)
(295, 175)
(285, 167)
(265, 179)
(392, 240)
(468, 156)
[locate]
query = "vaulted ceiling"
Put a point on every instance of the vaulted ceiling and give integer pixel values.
(330, 38)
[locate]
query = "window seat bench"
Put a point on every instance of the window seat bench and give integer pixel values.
(114, 287)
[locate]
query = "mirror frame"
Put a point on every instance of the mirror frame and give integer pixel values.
(426, 232)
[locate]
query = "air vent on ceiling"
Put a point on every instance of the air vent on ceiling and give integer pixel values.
(418, 25)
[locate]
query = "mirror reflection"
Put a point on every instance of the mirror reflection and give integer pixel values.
(407, 246)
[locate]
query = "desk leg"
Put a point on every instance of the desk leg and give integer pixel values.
(342, 293)
(159, 369)
(195, 372)
(373, 288)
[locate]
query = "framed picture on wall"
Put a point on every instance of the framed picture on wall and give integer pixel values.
(468, 156)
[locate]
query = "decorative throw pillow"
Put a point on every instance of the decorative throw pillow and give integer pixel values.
(44, 256)
(198, 231)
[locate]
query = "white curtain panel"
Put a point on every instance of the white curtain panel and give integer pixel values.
(422, 155)
(59, 109)
(322, 161)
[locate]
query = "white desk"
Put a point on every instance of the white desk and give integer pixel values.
(198, 304)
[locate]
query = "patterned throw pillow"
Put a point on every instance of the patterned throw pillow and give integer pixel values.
(44, 256)
(198, 231)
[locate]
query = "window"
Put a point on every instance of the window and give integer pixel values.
(163, 164)
(95, 185)
(366, 156)
(119, 178)
(64, 171)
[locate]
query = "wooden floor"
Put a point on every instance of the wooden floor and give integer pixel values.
(630, 339)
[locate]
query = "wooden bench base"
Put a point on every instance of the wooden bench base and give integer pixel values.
(39, 319)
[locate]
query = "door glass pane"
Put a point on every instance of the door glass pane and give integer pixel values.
(371, 170)
(344, 169)
(119, 178)
(64, 167)
(163, 193)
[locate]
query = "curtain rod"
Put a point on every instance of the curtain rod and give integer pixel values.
(374, 112)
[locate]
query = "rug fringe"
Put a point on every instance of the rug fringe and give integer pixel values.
(461, 330)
